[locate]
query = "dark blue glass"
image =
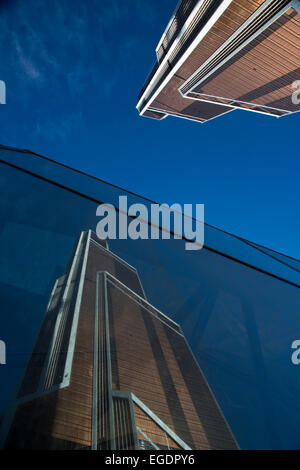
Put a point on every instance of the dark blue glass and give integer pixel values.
(239, 321)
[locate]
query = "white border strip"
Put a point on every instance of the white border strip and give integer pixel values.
(233, 101)
(49, 357)
(139, 299)
(113, 255)
(183, 116)
(235, 107)
(73, 334)
(296, 5)
(210, 389)
(194, 44)
(178, 37)
(265, 5)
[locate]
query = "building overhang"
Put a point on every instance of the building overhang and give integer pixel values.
(262, 36)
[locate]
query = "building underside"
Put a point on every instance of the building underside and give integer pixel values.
(217, 56)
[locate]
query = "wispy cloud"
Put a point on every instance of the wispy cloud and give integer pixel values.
(25, 62)
(67, 55)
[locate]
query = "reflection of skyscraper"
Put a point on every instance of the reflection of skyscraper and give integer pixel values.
(219, 55)
(109, 371)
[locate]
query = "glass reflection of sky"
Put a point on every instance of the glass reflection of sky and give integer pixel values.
(240, 323)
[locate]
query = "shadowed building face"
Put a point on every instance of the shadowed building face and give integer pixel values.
(216, 56)
(109, 371)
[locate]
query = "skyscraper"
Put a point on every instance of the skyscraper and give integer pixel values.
(219, 55)
(110, 371)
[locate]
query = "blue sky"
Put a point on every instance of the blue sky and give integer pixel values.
(73, 71)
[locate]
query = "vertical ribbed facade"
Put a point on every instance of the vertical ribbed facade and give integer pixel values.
(218, 56)
(109, 371)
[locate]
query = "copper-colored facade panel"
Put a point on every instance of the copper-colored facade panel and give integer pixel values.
(233, 17)
(248, 58)
(117, 373)
(171, 101)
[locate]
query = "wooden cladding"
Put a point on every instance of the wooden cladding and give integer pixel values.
(264, 71)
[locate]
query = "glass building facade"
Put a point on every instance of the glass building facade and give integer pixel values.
(236, 302)
(108, 371)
